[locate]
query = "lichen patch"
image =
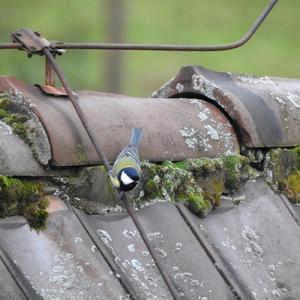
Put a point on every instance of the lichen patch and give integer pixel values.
(294, 99)
(19, 119)
(252, 79)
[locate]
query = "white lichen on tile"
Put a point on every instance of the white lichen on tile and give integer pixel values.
(155, 235)
(137, 265)
(252, 79)
(253, 242)
(229, 243)
(179, 87)
(212, 133)
(280, 100)
(104, 236)
(131, 247)
(191, 139)
(130, 233)
(294, 99)
(203, 112)
(205, 86)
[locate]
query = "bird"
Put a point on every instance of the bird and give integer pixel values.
(126, 171)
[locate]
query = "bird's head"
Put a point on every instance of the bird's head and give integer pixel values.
(128, 178)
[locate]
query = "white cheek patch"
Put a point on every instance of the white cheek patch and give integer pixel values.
(125, 178)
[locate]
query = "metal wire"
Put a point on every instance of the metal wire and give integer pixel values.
(160, 47)
(73, 97)
(143, 234)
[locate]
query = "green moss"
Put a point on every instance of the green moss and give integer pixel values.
(280, 164)
(200, 167)
(226, 174)
(9, 114)
(23, 197)
(3, 113)
(291, 187)
(198, 183)
(6, 104)
(36, 214)
(195, 201)
(296, 152)
(174, 182)
(234, 167)
(213, 189)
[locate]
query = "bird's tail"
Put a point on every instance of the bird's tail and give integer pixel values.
(136, 135)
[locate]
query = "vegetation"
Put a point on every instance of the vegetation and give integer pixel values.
(23, 197)
(273, 50)
(13, 118)
(282, 169)
(198, 183)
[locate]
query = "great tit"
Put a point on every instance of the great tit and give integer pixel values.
(126, 171)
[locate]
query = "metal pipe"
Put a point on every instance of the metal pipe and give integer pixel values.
(11, 46)
(159, 47)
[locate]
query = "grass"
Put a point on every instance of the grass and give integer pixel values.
(272, 51)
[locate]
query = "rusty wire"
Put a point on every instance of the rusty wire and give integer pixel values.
(73, 98)
(160, 47)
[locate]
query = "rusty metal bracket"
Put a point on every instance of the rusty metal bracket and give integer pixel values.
(33, 42)
(49, 74)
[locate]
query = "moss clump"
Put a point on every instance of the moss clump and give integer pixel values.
(3, 113)
(198, 183)
(14, 119)
(291, 187)
(6, 104)
(23, 197)
(195, 201)
(213, 187)
(237, 169)
(201, 167)
(36, 214)
(296, 153)
(174, 182)
(282, 167)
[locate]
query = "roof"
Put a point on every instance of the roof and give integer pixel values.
(237, 252)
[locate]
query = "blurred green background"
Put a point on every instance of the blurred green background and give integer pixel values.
(273, 50)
